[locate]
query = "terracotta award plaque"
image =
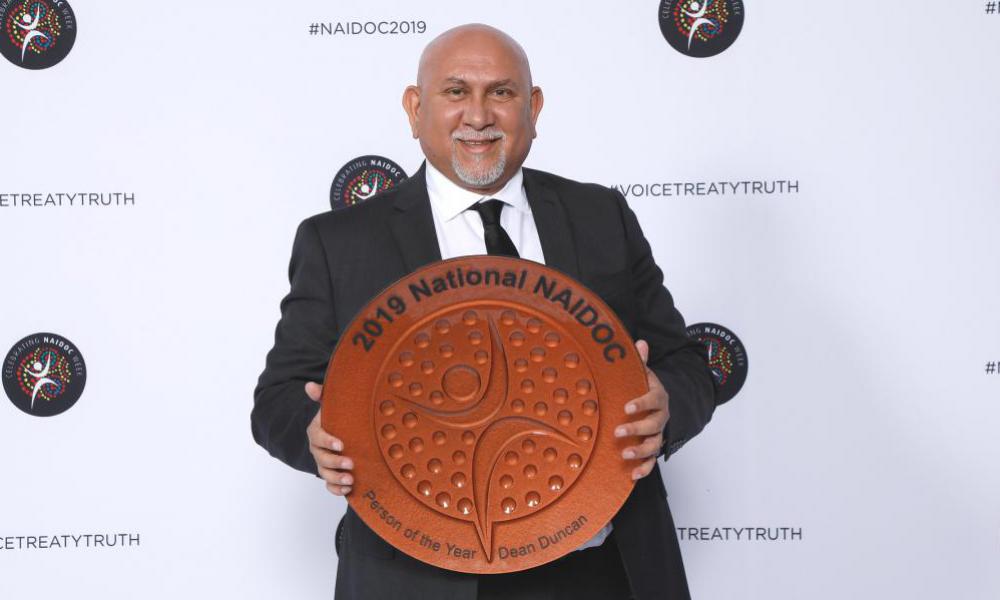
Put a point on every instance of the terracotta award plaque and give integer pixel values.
(478, 399)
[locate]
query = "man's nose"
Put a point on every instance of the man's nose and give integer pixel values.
(478, 113)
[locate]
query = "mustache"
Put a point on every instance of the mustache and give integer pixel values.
(473, 135)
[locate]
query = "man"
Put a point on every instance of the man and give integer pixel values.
(474, 110)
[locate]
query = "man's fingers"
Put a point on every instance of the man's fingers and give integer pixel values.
(643, 349)
(644, 469)
(656, 397)
(648, 426)
(332, 467)
(314, 391)
(331, 460)
(649, 447)
(648, 401)
(322, 439)
(336, 477)
(338, 490)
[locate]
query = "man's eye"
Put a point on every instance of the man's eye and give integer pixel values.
(502, 92)
(455, 92)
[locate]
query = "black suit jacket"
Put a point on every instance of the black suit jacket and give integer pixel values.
(341, 259)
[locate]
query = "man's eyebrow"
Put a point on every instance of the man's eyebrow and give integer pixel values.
(492, 86)
(502, 83)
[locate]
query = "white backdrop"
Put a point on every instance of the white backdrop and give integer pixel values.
(867, 299)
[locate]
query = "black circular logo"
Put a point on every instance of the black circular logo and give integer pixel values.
(37, 34)
(362, 178)
(44, 374)
(701, 28)
(727, 357)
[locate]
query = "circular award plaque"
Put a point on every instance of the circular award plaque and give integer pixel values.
(478, 398)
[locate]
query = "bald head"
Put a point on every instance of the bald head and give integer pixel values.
(473, 38)
(474, 108)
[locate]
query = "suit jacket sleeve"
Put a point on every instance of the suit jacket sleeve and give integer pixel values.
(303, 341)
(680, 363)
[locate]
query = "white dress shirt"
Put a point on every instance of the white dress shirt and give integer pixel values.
(460, 233)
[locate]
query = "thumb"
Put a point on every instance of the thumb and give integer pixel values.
(643, 348)
(314, 391)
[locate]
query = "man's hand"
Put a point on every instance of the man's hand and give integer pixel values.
(326, 449)
(651, 425)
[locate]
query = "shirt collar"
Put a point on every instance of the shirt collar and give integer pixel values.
(450, 200)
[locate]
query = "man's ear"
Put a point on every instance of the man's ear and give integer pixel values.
(536, 102)
(411, 104)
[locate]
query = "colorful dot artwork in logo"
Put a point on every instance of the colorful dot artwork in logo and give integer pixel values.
(363, 178)
(701, 28)
(33, 27)
(366, 184)
(43, 374)
(720, 360)
(37, 34)
(700, 20)
(727, 357)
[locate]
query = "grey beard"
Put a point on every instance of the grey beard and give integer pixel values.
(479, 176)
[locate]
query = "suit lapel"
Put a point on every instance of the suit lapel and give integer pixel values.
(554, 231)
(412, 223)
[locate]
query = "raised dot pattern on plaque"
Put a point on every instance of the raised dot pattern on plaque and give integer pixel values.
(474, 447)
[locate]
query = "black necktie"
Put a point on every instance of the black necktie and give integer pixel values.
(497, 240)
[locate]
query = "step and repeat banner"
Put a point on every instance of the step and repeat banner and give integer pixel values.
(820, 183)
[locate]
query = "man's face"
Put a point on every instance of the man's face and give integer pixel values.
(474, 110)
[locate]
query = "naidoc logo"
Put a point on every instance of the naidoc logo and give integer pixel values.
(362, 178)
(701, 28)
(36, 34)
(727, 357)
(44, 374)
